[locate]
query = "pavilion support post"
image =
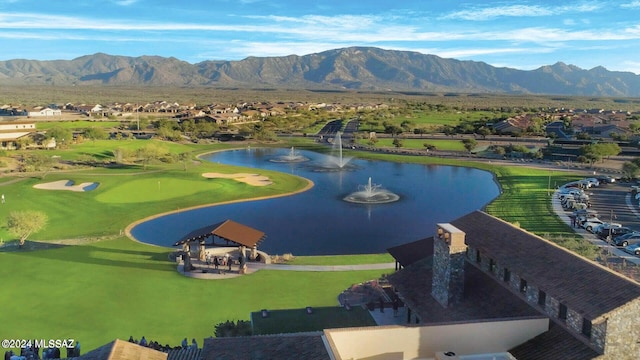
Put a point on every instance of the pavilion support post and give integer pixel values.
(201, 253)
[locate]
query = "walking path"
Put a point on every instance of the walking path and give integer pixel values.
(564, 216)
(209, 271)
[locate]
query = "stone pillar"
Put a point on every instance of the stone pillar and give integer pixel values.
(201, 252)
(449, 250)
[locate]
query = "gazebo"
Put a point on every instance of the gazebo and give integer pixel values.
(229, 231)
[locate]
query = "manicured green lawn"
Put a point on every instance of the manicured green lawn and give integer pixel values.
(450, 117)
(126, 195)
(445, 145)
(117, 288)
(77, 124)
(298, 320)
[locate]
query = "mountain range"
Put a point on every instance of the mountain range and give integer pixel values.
(354, 68)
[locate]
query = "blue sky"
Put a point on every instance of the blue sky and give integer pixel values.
(518, 34)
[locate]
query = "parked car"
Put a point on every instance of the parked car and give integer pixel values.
(606, 179)
(569, 186)
(590, 224)
(592, 182)
(633, 249)
(627, 239)
(585, 213)
(613, 232)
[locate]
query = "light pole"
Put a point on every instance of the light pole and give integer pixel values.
(610, 226)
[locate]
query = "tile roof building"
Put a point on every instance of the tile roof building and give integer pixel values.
(481, 289)
(509, 272)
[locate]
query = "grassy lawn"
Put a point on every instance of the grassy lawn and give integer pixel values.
(77, 124)
(117, 288)
(445, 145)
(126, 195)
(297, 320)
(451, 117)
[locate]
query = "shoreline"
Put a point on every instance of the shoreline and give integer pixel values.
(127, 230)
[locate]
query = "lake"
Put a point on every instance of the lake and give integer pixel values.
(320, 222)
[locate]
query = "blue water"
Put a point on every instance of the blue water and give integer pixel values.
(319, 222)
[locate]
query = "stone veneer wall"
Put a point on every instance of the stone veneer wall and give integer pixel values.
(621, 332)
(448, 273)
(600, 331)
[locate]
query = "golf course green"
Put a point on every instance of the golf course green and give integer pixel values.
(109, 286)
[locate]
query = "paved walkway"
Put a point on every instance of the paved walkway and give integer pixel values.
(564, 216)
(209, 271)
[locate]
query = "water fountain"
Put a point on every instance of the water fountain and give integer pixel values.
(336, 161)
(371, 194)
(292, 156)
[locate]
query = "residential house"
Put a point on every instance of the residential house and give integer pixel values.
(40, 111)
(514, 125)
(12, 131)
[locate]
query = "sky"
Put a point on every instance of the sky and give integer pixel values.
(517, 34)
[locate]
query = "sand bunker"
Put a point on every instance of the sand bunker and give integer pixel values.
(251, 179)
(67, 185)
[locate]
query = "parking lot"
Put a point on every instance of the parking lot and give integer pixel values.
(611, 201)
(614, 203)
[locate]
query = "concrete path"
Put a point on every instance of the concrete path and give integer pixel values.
(209, 272)
(258, 266)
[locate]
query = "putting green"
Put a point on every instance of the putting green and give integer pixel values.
(158, 189)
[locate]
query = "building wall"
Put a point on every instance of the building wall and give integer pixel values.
(622, 332)
(447, 285)
(600, 332)
(422, 342)
(17, 126)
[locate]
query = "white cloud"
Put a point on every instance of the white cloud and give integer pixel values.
(633, 66)
(125, 2)
(631, 5)
(488, 13)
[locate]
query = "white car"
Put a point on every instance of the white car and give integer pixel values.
(592, 182)
(604, 227)
(592, 223)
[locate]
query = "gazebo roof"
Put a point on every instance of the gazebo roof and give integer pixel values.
(227, 230)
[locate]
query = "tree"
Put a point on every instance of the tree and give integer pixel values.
(397, 142)
(62, 135)
(483, 131)
(392, 129)
(151, 152)
(595, 152)
(630, 169)
(232, 329)
(24, 223)
(469, 144)
(95, 133)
